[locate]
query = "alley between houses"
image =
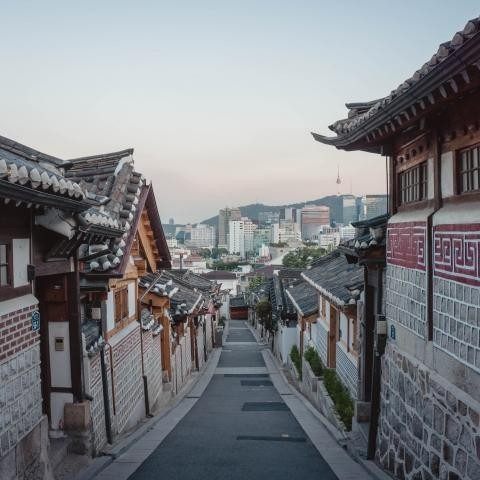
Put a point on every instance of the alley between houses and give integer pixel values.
(240, 421)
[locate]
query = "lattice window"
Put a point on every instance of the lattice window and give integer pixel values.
(413, 184)
(4, 265)
(468, 172)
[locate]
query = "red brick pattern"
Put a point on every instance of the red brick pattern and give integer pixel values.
(406, 244)
(16, 332)
(456, 253)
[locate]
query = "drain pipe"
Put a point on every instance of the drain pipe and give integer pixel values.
(106, 400)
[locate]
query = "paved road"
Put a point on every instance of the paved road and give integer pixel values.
(241, 420)
(239, 429)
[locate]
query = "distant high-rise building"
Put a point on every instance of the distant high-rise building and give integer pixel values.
(171, 221)
(202, 236)
(268, 218)
(225, 215)
(241, 236)
(376, 205)
(312, 219)
(343, 210)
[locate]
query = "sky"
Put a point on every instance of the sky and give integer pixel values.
(218, 98)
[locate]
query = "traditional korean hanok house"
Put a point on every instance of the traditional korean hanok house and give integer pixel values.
(367, 249)
(174, 305)
(238, 308)
(339, 286)
(428, 130)
(40, 358)
(121, 349)
(304, 299)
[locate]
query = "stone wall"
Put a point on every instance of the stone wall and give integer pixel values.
(20, 386)
(406, 297)
(152, 364)
(97, 407)
(456, 320)
(347, 370)
(128, 391)
(428, 428)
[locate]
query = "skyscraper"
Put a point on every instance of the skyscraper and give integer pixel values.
(312, 219)
(224, 216)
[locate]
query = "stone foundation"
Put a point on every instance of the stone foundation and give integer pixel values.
(428, 428)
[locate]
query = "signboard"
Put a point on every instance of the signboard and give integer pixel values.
(392, 332)
(36, 321)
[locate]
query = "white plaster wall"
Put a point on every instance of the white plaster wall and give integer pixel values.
(430, 176)
(459, 213)
(344, 326)
(447, 174)
(59, 361)
(289, 339)
(21, 258)
(132, 299)
(327, 314)
(109, 309)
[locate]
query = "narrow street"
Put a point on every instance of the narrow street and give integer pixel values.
(245, 424)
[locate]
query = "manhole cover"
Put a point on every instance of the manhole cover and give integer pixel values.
(264, 407)
(282, 438)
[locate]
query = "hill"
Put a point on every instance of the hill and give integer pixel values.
(251, 211)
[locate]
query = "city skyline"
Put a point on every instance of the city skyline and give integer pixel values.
(202, 91)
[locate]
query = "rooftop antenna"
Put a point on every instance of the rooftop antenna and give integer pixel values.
(339, 180)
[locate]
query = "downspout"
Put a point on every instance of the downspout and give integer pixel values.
(106, 400)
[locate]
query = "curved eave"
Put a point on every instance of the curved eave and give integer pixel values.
(445, 71)
(20, 193)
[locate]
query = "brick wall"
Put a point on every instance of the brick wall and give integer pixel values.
(428, 428)
(20, 387)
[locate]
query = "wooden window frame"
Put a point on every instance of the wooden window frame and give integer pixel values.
(459, 171)
(412, 184)
(8, 292)
(121, 304)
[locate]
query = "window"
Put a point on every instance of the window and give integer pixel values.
(413, 184)
(121, 304)
(4, 265)
(468, 173)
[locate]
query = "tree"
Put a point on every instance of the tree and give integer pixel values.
(205, 252)
(264, 314)
(303, 257)
(254, 282)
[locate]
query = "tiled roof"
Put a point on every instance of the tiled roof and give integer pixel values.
(24, 166)
(304, 298)
(238, 302)
(111, 180)
(335, 278)
(362, 113)
(368, 234)
(219, 275)
(183, 298)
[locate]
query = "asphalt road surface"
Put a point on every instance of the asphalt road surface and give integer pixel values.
(240, 428)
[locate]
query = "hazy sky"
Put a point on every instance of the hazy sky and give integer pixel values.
(217, 98)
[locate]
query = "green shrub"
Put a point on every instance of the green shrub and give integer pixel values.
(296, 359)
(312, 357)
(340, 396)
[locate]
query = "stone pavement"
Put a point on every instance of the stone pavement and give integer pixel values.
(241, 420)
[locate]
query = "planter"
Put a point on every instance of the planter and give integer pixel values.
(293, 370)
(325, 404)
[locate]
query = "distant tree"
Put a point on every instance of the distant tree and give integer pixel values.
(218, 252)
(219, 265)
(264, 314)
(254, 282)
(205, 252)
(303, 257)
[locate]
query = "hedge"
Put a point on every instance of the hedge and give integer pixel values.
(312, 357)
(296, 359)
(340, 396)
